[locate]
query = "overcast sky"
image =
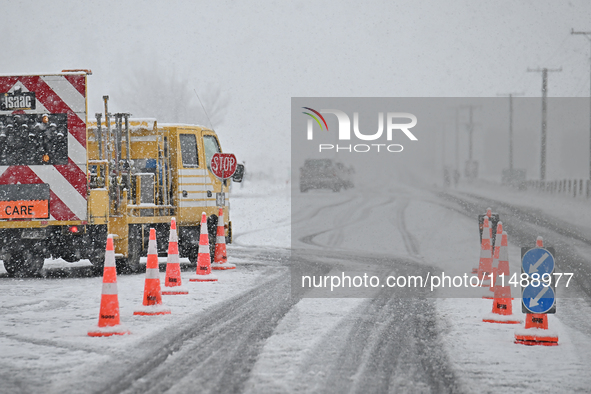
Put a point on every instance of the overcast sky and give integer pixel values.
(260, 54)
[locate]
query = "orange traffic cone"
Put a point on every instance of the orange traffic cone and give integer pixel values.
(485, 263)
(108, 323)
(220, 259)
(203, 273)
(536, 330)
(172, 282)
(152, 303)
(502, 309)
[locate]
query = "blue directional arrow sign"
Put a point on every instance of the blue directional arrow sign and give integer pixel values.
(538, 299)
(538, 260)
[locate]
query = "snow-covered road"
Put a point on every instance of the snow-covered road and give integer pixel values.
(251, 333)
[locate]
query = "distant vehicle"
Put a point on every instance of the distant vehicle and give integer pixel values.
(325, 174)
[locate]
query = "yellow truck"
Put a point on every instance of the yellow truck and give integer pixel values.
(65, 184)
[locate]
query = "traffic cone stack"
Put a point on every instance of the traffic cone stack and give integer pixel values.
(152, 303)
(536, 330)
(203, 273)
(495, 259)
(172, 282)
(220, 259)
(497, 249)
(489, 216)
(502, 309)
(109, 323)
(485, 264)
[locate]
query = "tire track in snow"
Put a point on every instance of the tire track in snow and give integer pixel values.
(52, 343)
(308, 217)
(410, 242)
(390, 344)
(344, 222)
(272, 256)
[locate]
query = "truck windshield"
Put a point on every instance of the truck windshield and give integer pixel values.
(33, 139)
(211, 146)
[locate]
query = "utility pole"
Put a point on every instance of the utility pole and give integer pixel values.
(588, 35)
(544, 72)
(446, 175)
(457, 150)
(471, 133)
(510, 95)
(444, 131)
(470, 127)
(471, 170)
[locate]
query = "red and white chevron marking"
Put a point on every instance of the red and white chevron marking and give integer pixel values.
(56, 94)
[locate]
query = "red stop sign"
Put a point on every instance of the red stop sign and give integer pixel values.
(223, 165)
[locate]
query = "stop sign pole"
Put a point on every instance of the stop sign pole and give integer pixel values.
(223, 166)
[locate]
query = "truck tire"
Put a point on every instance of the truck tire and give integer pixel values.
(134, 249)
(229, 236)
(11, 264)
(33, 263)
(23, 264)
(212, 230)
(97, 240)
(97, 259)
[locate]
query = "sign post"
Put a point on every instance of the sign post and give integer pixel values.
(538, 296)
(223, 166)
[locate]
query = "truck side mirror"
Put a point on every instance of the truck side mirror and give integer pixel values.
(239, 173)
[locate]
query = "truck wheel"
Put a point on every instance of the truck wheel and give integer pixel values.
(97, 259)
(11, 265)
(134, 248)
(33, 263)
(229, 236)
(22, 264)
(212, 230)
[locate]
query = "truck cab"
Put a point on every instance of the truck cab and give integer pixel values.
(165, 175)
